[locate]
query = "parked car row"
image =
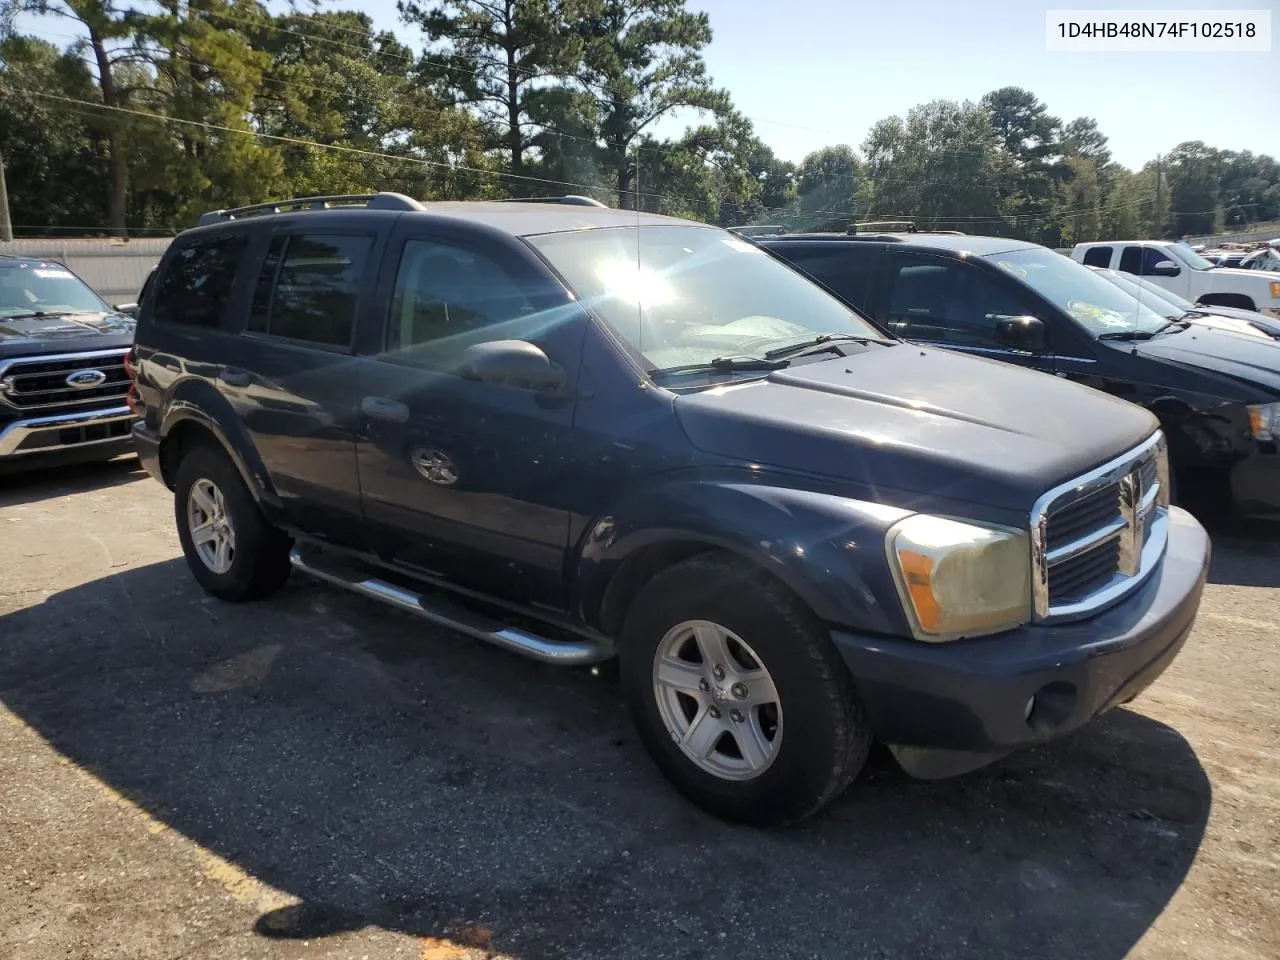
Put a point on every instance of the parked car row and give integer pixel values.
(796, 485)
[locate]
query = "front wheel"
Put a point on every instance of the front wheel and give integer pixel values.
(738, 693)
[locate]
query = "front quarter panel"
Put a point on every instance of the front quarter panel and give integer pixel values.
(828, 549)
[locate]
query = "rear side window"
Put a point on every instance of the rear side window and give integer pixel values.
(194, 289)
(1098, 257)
(308, 288)
(845, 268)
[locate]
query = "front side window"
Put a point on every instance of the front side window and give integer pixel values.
(691, 294)
(948, 302)
(1150, 257)
(196, 285)
(34, 289)
(316, 288)
(448, 297)
(1094, 302)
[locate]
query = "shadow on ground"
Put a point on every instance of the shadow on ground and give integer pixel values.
(48, 483)
(394, 777)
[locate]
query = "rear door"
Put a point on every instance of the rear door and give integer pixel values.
(466, 480)
(953, 303)
(293, 378)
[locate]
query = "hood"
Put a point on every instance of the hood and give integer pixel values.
(85, 331)
(1259, 321)
(1248, 360)
(917, 421)
(1260, 277)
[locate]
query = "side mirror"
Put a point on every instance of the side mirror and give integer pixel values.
(1166, 268)
(516, 363)
(1022, 333)
(128, 309)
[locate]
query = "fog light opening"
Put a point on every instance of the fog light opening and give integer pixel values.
(1051, 707)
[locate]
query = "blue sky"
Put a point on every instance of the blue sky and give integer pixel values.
(817, 72)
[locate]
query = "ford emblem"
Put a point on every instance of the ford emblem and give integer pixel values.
(84, 379)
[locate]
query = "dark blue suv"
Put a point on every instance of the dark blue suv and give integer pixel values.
(578, 432)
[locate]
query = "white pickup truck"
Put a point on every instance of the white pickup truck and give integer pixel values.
(1176, 267)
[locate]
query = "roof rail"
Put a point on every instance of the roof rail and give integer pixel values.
(373, 201)
(571, 198)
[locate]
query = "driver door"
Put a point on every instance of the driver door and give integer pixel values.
(952, 303)
(464, 479)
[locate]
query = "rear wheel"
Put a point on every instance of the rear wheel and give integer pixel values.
(738, 693)
(232, 550)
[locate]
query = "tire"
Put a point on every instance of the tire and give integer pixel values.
(820, 736)
(256, 564)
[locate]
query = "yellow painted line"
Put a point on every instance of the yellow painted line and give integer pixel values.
(243, 887)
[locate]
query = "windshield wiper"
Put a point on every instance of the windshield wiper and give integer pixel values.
(818, 340)
(1127, 335)
(34, 315)
(723, 365)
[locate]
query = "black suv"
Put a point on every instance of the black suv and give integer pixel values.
(576, 432)
(63, 381)
(1216, 392)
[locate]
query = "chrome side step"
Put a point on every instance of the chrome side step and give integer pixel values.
(443, 614)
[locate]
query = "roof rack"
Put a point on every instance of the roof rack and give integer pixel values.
(573, 199)
(372, 201)
(883, 226)
(758, 230)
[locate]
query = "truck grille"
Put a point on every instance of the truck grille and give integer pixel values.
(1097, 538)
(67, 381)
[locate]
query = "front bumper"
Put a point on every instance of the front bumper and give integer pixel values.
(90, 434)
(1255, 483)
(950, 707)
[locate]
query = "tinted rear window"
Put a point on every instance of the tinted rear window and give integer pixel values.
(846, 267)
(311, 294)
(196, 284)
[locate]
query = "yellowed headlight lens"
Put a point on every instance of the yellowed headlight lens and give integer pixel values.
(960, 579)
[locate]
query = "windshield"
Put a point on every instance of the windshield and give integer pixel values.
(1168, 305)
(1095, 303)
(687, 295)
(34, 287)
(1189, 257)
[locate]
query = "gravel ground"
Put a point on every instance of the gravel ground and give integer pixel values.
(316, 776)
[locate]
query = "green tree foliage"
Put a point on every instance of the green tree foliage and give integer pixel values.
(939, 166)
(1194, 170)
(497, 56)
(160, 110)
(641, 60)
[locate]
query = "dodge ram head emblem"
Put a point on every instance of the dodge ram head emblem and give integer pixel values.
(86, 379)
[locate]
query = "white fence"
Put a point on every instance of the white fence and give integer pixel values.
(1249, 236)
(116, 269)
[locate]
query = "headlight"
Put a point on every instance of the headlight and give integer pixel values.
(1264, 421)
(960, 579)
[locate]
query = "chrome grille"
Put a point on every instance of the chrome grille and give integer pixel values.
(1096, 538)
(64, 381)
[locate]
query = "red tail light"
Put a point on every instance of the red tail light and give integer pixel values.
(133, 400)
(130, 370)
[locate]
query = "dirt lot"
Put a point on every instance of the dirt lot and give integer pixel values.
(319, 777)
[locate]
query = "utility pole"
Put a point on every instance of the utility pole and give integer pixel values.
(6, 226)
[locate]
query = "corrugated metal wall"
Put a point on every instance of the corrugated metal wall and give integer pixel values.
(114, 268)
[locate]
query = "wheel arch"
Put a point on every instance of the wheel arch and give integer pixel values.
(1239, 301)
(825, 550)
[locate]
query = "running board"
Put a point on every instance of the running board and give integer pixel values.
(444, 614)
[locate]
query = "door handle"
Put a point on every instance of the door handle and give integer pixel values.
(233, 377)
(382, 408)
